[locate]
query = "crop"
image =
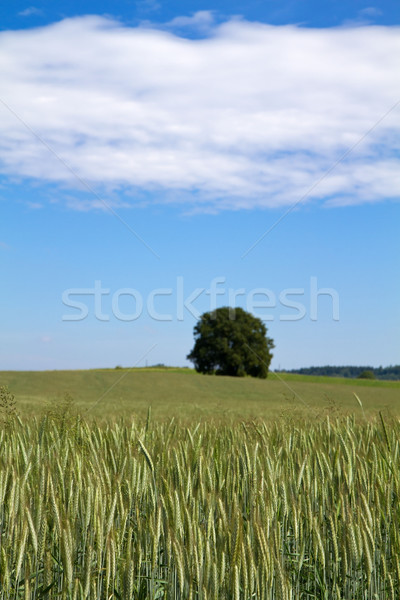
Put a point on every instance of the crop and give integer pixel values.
(159, 510)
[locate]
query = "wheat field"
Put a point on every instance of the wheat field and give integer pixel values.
(161, 510)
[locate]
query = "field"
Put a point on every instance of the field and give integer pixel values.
(227, 489)
(112, 393)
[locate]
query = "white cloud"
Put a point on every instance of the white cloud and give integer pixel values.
(201, 21)
(147, 6)
(370, 11)
(365, 16)
(251, 116)
(28, 12)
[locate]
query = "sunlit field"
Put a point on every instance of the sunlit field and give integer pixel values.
(162, 510)
(223, 489)
(182, 393)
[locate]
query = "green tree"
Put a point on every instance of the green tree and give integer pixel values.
(366, 375)
(231, 342)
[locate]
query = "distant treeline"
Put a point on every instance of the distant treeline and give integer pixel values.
(389, 373)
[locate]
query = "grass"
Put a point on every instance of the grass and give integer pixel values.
(228, 489)
(150, 511)
(113, 393)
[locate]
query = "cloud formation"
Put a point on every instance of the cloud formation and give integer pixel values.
(250, 116)
(28, 12)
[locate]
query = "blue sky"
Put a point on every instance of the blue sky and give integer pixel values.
(184, 157)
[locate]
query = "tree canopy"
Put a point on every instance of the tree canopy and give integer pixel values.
(231, 341)
(391, 373)
(366, 374)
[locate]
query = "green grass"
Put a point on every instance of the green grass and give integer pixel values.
(209, 511)
(184, 394)
(249, 492)
(339, 380)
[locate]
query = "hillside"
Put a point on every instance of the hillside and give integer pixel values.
(184, 394)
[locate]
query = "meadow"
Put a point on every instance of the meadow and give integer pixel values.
(114, 393)
(268, 499)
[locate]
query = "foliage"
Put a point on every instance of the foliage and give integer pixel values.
(367, 374)
(391, 373)
(231, 342)
(162, 511)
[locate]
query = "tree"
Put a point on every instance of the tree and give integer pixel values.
(367, 374)
(231, 342)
